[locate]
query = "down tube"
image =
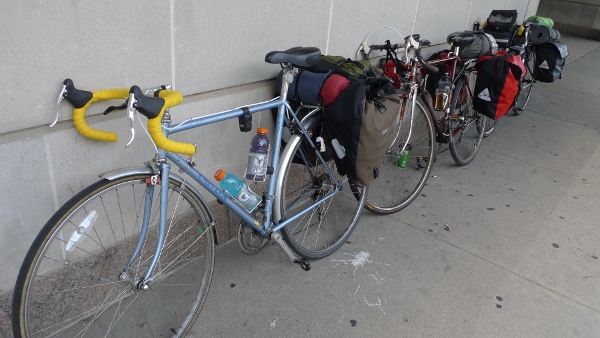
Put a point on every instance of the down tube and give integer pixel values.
(215, 191)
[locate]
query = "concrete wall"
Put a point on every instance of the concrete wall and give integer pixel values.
(580, 17)
(212, 52)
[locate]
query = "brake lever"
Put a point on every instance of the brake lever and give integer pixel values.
(130, 110)
(61, 96)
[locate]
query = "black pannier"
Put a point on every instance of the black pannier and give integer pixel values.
(501, 25)
(549, 61)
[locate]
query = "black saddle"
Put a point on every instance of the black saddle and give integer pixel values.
(461, 38)
(301, 57)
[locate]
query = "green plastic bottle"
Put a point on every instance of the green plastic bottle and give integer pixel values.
(403, 160)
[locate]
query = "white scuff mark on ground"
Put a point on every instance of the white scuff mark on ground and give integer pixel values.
(341, 321)
(359, 260)
(377, 278)
(363, 260)
(274, 322)
(378, 304)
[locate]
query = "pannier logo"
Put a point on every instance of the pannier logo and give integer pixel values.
(485, 95)
(544, 65)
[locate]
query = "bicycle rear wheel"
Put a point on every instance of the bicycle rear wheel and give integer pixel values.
(396, 187)
(70, 284)
(526, 84)
(466, 124)
(326, 227)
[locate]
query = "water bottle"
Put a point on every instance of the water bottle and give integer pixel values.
(403, 160)
(442, 93)
(238, 189)
(258, 157)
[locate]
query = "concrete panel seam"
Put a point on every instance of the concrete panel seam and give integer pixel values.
(329, 28)
(51, 172)
(172, 26)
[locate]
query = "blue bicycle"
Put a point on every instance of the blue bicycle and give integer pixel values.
(132, 255)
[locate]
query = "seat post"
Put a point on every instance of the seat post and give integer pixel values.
(455, 48)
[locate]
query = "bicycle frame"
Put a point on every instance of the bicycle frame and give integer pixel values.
(264, 229)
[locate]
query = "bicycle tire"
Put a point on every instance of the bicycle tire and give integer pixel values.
(489, 125)
(526, 84)
(326, 227)
(68, 288)
(397, 187)
(466, 131)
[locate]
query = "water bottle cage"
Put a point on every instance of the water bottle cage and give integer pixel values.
(245, 121)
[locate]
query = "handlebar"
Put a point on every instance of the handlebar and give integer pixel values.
(410, 42)
(151, 107)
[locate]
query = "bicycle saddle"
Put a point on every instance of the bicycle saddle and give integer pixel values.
(461, 38)
(301, 57)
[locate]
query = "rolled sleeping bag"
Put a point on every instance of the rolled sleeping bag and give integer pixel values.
(543, 34)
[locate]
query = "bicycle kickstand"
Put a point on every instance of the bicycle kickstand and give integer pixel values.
(303, 262)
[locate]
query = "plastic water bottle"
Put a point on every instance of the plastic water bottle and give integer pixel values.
(238, 189)
(258, 157)
(442, 93)
(403, 160)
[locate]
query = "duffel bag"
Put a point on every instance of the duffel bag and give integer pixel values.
(360, 130)
(484, 44)
(549, 61)
(496, 86)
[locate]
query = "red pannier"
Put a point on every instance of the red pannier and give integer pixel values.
(497, 86)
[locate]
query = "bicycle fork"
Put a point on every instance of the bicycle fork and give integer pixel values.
(163, 181)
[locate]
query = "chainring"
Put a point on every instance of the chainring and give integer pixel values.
(249, 241)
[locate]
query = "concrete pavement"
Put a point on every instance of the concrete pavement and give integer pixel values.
(521, 257)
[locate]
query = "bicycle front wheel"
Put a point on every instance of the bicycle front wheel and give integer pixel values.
(466, 124)
(71, 282)
(326, 226)
(526, 84)
(400, 183)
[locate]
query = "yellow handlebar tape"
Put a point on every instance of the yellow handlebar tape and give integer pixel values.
(79, 118)
(172, 98)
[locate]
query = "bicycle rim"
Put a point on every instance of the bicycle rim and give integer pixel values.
(397, 187)
(489, 126)
(326, 227)
(72, 288)
(467, 129)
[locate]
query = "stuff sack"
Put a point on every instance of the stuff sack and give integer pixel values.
(549, 61)
(542, 21)
(360, 129)
(496, 86)
(484, 44)
(332, 88)
(501, 25)
(346, 67)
